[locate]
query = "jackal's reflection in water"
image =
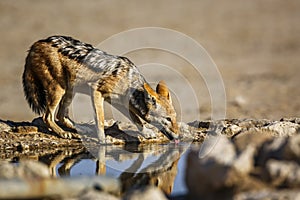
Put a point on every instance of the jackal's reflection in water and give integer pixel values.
(151, 164)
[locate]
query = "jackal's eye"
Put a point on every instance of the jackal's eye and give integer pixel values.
(169, 119)
(153, 101)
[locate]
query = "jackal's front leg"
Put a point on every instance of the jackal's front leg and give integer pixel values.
(63, 111)
(98, 101)
(147, 132)
(53, 101)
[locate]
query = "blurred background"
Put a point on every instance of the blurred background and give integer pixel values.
(255, 45)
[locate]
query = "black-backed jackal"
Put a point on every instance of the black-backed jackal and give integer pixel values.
(57, 65)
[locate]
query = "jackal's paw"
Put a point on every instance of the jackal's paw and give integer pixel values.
(65, 134)
(69, 135)
(148, 133)
(101, 135)
(66, 122)
(76, 136)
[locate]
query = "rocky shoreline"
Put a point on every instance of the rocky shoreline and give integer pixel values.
(238, 158)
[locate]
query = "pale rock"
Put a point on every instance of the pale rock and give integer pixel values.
(282, 148)
(267, 194)
(220, 149)
(233, 130)
(186, 132)
(244, 163)
(292, 152)
(25, 169)
(147, 193)
(283, 128)
(94, 194)
(254, 137)
(208, 169)
(273, 149)
(284, 173)
(34, 169)
(4, 127)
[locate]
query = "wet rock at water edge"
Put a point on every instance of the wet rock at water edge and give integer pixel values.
(218, 168)
(146, 193)
(24, 170)
(283, 174)
(255, 162)
(94, 194)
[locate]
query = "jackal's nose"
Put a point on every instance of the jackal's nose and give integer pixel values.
(176, 141)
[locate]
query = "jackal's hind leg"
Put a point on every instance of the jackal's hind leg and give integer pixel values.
(53, 101)
(98, 101)
(63, 110)
(146, 130)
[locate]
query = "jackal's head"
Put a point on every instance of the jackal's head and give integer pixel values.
(161, 112)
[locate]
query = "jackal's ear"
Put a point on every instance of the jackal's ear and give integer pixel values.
(163, 90)
(150, 91)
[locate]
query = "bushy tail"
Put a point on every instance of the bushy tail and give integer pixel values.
(35, 93)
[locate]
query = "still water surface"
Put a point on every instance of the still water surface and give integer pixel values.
(162, 165)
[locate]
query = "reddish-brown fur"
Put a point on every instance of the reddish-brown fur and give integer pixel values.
(58, 66)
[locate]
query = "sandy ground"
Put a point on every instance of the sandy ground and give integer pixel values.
(254, 44)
